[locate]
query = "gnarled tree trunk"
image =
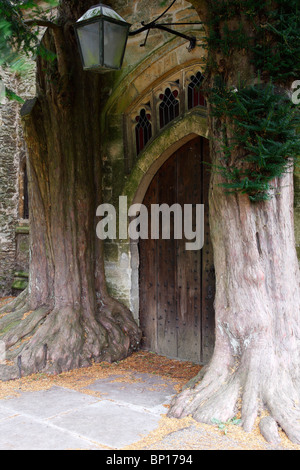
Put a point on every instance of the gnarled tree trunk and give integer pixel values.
(66, 319)
(255, 364)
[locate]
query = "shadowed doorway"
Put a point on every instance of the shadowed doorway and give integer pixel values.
(177, 286)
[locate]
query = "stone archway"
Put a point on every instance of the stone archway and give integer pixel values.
(177, 285)
(182, 133)
(193, 124)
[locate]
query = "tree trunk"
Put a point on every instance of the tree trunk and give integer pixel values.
(67, 319)
(255, 364)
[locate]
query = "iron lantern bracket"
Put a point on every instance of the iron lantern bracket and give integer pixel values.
(164, 27)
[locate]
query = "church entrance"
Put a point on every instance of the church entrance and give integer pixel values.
(177, 286)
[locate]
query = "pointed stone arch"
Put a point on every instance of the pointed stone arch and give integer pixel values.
(180, 132)
(193, 124)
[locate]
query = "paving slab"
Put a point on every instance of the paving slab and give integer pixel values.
(4, 414)
(62, 418)
(47, 403)
(109, 423)
(149, 392)
(24, 433)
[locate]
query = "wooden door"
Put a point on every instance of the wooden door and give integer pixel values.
(177, 286)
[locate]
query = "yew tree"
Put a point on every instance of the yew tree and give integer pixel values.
(252, 61)
(73, 321)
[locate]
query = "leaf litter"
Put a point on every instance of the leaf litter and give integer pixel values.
(171, 433)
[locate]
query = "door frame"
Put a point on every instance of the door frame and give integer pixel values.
(192, 125)
(204, 333)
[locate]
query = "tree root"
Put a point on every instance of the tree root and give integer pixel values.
(244, 393)
(54, 340)
(18, 302)
(207, 401)
(118, 322)
(269, 430)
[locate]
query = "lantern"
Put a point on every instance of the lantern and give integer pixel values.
(102, 37)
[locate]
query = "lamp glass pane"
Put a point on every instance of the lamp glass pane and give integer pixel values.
(89, 38)
(110, 13)
(100, 11)
(115, 39)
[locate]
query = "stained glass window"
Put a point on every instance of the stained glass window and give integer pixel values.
(169, 107)
(143, 130)
(195, 94)
(162, 105)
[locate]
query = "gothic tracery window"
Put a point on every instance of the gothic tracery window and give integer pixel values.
(166, 102)
(169, 107)
(195, 94)
(143, 130)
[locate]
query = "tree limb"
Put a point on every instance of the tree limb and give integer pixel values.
(44, 23)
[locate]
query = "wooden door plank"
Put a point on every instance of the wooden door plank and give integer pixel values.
(177, 286)
(189, 262)
(166, 267)
(147, 279)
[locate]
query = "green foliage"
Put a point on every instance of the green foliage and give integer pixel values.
(277, 48)
(223, 426)
(16, 36)
(17, 40)
(266, 143)
(274, 46)
(262, 120)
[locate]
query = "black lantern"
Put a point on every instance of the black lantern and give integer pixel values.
(102, 37)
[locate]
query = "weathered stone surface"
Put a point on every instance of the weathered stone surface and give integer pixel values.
(12, 152)
(60, 418)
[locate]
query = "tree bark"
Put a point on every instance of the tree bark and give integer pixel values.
(67, 319)
(255, 364)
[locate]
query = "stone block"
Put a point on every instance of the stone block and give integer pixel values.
(47, 403)
(118, 426)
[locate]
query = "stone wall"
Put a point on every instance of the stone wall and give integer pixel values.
(14, 251)
(14, 230)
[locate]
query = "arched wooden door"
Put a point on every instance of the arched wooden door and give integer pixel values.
(177, 286)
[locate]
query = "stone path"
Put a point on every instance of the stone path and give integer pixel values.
(61, 418)
(112, 408)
